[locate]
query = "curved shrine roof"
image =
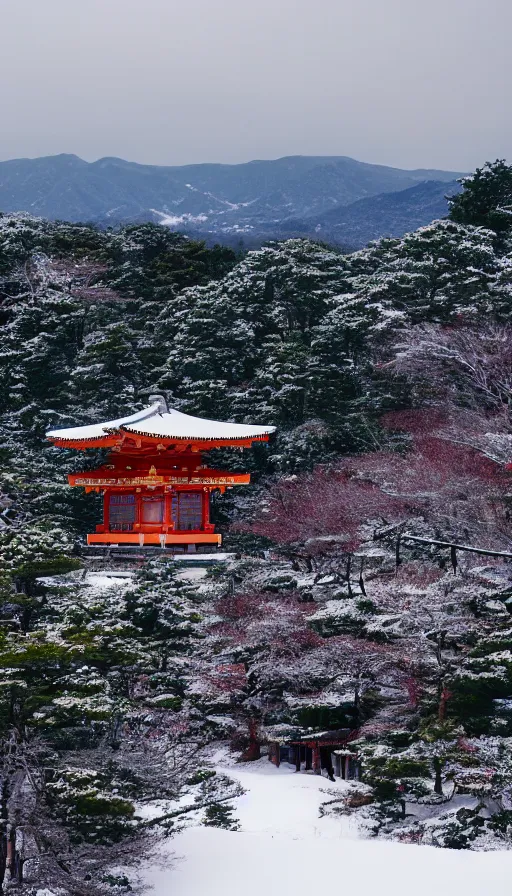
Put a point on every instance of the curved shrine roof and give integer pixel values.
(156, 422)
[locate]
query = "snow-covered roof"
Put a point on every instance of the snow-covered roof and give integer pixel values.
(100, 430)
(157, 421)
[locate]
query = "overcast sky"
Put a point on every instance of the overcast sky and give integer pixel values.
(402, 82)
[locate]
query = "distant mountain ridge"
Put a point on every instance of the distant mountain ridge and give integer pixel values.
(388, 214)
(225, 200)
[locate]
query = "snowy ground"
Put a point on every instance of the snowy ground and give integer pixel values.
(285, 849)
(194, 574)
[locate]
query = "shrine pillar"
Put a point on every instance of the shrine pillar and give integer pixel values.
(168, 521)
(207, 526)
(106, 510)
(316, 759)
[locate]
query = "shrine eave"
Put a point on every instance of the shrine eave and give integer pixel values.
(211, 479)
(147, 441)
(156, 426)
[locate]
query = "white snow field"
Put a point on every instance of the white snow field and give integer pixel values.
(285, 849)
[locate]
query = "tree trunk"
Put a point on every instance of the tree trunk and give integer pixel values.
(4, 793)
(11, 852)
(26, 617)
(444, 696)
(253, 750)
(357, 702)
(438, 781)
(18, 868)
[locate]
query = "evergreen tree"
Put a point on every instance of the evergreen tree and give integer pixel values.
(486, 198)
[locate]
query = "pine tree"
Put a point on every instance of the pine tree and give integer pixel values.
(486, 198)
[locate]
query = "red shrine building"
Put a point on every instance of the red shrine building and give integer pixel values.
(155, 486)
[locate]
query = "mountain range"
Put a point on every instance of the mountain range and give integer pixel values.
(387, 214)
(333, 198)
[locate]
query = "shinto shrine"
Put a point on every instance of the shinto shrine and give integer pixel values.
(327, 751)
(156, 489)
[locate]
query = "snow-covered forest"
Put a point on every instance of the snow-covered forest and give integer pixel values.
(388, 374)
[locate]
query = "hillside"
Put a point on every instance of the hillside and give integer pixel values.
(385, 215)
(220, 199)
(366, 602)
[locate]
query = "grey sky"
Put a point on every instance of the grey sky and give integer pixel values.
(401, 82)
